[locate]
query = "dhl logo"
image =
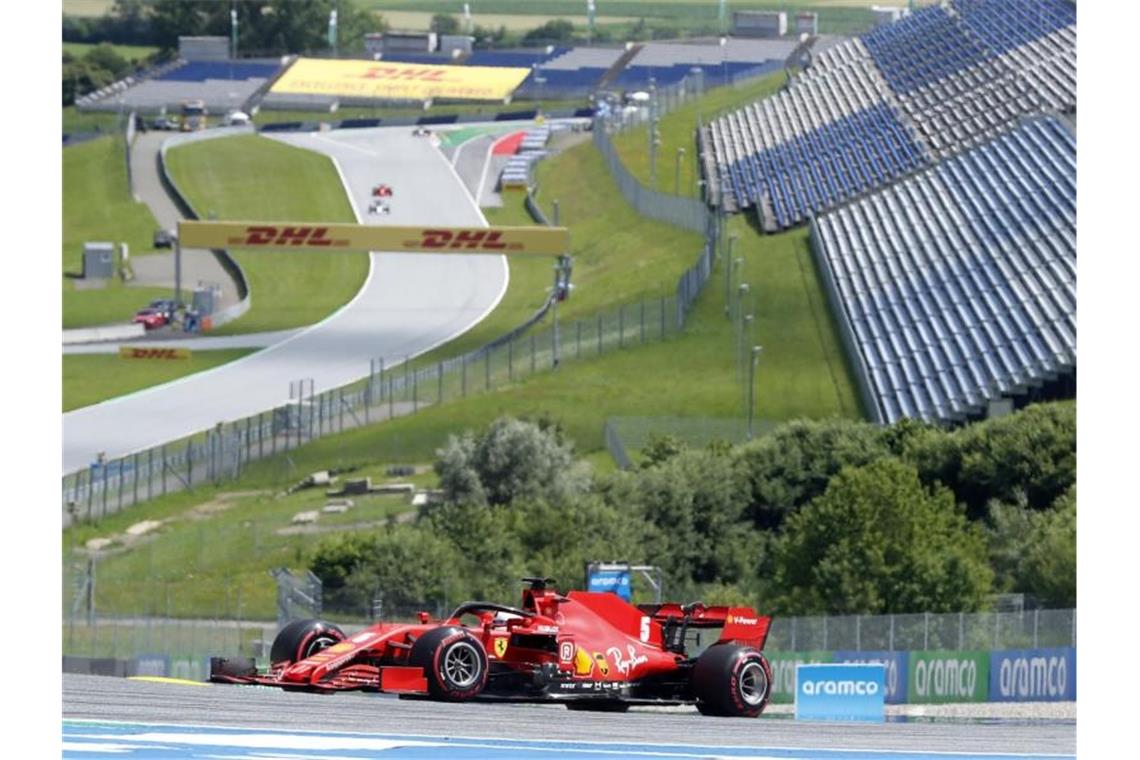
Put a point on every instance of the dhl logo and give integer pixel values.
(132, 352)
(482, 240)
(403, 74)
(281, 236)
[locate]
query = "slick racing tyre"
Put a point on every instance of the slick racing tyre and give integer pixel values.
(732, 681)
(454, 663)
(303, 638)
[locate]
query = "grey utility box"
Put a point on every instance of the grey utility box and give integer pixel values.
(98, 261)
(205, 300)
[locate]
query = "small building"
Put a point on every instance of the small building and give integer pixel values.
(408, 42)
(759, 23)
(98, 261)
(807, 22)
(454, 45)
(888, 14)
(204, 48)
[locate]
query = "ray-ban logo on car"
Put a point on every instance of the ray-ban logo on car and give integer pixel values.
(483, 240)
(258, 235)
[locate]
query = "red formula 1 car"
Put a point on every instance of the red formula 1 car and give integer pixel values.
(592, 651)
(381, 191)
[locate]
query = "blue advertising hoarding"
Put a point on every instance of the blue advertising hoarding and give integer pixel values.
(840, 692)
(896, 672)
(616, 581)
(1033, 675)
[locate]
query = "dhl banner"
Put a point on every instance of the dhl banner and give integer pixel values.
(398, 81)
(140, 352)
(541, 241)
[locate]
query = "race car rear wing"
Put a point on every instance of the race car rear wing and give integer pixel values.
(740, 624)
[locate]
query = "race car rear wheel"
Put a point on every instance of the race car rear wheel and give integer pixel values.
(454, 663)
(732, 681)
(303, 638)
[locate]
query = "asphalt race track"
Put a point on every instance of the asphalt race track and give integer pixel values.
(281, 720)
(409, 304)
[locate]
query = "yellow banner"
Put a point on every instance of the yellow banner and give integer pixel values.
(294, 236)
(398, 81)
(140, 352)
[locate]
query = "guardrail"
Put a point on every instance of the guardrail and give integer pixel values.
(220, 453)
(227, 262)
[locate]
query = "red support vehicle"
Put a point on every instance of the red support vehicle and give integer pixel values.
(591, 651)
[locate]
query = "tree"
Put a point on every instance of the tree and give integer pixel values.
(556, 30)
(877, 541)
(103, 56)
(1033, 451)
(1035, 551)
(660, 448)
(694, 506)
(444, 23)
(512, 459)
(794, 464)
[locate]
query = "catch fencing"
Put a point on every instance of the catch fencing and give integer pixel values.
(929, 631)
(221, 453)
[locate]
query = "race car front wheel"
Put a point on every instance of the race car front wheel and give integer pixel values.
(732, 681)
(303, 638)
(454, 663)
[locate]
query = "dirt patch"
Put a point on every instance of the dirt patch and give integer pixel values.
(220, 503)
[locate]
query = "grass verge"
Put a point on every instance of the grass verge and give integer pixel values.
(255, 178)
(97, 206)
(91, 378)
(678, 130)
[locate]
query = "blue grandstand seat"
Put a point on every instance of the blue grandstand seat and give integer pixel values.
(1006, 24)
(200, 71)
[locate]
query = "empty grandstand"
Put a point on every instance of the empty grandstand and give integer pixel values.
(221, 85)
(876, 107)
(956, 287)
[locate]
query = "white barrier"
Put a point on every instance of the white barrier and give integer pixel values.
(100, 334)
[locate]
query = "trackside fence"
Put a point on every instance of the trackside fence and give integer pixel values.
(396, 386)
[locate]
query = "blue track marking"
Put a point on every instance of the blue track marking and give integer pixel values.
(90, 740)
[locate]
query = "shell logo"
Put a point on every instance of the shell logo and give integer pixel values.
(583, 665)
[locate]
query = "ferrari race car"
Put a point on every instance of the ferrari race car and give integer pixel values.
(591, 651)
(381, 191)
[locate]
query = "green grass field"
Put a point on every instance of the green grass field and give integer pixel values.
(693, 374)
(129, 52)
(255, 178)
(91, 378)
(97, 206)
(677, 130)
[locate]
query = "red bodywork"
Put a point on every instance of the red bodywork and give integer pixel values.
(381, 191)
(555, 647)
(150, 318)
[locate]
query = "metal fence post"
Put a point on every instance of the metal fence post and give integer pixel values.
(150, 474)
(164, 466)
(134, 480)
(119, 500)
(189, 463)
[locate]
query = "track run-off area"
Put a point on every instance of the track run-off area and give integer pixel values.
(124, 718)
(409, 304)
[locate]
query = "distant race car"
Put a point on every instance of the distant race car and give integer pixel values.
(150, 318)
(165, 306)
(379, 207)
(382, 191)
(163, 239)
(590, 651)
(421, 132)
